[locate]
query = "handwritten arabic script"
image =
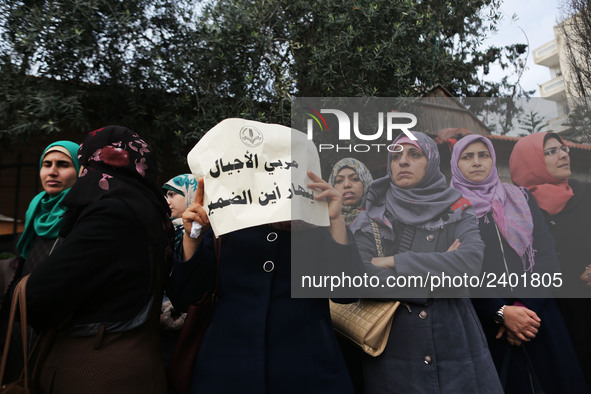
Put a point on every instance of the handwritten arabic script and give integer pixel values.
(263, 184)
(245, 198)
(251, 161)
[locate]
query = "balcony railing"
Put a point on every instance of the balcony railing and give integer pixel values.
(553, 89)
(547, 54)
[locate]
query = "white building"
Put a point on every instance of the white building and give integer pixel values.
(553, 55)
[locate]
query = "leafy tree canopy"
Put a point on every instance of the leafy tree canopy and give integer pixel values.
(171, 70)
(532, 122)
(576, 31)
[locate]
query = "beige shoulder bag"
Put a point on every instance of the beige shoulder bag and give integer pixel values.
(367, 322)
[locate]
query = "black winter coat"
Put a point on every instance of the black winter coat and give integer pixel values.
(261, 340)
(101, 291)
(571, 229)
(549, 359)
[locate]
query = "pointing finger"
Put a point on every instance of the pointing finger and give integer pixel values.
(199, 194)
(314, 177)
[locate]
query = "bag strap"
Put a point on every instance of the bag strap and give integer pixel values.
(406, 238)
(377, 237)
(18, 300)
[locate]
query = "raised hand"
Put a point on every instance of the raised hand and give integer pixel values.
(194, 214)
(338, 228)
(328, 193)
(196, 211)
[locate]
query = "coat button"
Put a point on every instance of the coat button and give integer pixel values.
(428, 360)
(271, 236)
(430, 237)
(423, 314)
(268, 266)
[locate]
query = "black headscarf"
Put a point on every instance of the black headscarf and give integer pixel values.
(119, 164)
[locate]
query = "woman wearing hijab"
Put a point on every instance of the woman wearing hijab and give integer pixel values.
(351, 178)
(58, 171)
(436, 344)
(541, 163)
(101, 290)
(527, 338)
(180, 193)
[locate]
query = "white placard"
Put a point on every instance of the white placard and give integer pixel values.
(255, 173)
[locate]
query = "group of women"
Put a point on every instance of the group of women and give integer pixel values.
(436, 345)
(99, 247)
(527, 337)
(104, 237)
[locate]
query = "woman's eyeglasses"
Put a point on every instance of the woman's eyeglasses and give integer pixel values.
(554, 150)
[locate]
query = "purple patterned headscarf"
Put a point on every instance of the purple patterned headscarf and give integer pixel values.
(116, 149)
(507, 203)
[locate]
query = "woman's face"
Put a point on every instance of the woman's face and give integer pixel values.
(176, 203)
(557, 159)
(408, 166)
(57, 173)
(475, 162)
(348, 183)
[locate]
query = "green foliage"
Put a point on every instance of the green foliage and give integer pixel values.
(80, 65)
(499, 113)
(358, 47)
(576, 37)
(171, 69)
(575, 29)
(532, 122)
(579, 121)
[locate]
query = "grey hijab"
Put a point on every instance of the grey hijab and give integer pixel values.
(351, 212)
(426, 205)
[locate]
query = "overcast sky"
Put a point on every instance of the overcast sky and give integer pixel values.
(534, 23)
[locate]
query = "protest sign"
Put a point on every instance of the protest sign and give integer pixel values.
(256, 173)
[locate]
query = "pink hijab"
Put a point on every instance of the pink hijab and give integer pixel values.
(528, 169)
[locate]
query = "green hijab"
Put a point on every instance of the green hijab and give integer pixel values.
(44, 215)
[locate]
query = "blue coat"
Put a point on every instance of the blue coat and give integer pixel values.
(550, 355)
(260, 339)
(436, 345)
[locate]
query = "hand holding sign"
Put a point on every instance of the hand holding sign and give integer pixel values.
(328, 193)
(256, 174)
(196, 214)
(193, 217)
(338, 228)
